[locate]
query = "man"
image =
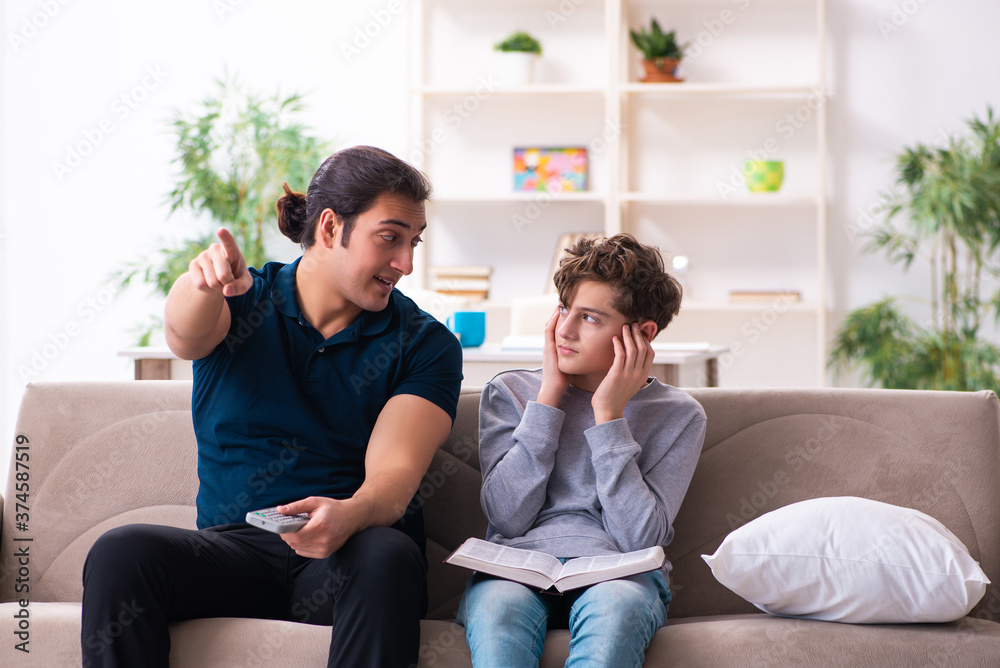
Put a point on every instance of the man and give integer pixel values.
(587, 456)
(320, 389)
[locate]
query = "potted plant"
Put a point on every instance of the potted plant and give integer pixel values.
(952, 197)
(233, 154)
(661, 54)
(520, 52)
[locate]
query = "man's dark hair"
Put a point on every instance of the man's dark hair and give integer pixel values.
(348, 183)
(642, 289)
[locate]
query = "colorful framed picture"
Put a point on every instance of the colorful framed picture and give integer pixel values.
(551, 169)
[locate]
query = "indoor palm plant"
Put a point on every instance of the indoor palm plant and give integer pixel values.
(951, 195)
(233, 154)
(661, 54)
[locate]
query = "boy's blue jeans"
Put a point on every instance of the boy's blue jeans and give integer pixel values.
(610, 623)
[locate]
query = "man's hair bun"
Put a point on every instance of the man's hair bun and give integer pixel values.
(291, 210)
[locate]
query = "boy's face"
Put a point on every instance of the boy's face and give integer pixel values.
(584, 334)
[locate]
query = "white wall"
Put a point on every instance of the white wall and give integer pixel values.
(61, 319)
(65, 236)
(903, 71)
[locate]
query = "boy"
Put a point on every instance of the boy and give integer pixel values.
(586, 456)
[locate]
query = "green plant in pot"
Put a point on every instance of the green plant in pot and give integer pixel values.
(661, 54)
(520, 52)
(951, 195)
(233, 152)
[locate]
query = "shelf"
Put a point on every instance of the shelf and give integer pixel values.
(519, 197)
(686, 89)
(743, 307)
(500, 89)
(665, 160)
(744, 199)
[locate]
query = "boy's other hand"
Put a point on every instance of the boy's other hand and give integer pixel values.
(633, 360)
(554, 381)
(221, 268)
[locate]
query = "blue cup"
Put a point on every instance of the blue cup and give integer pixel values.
(469, 326)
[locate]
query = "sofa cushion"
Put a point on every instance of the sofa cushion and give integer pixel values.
(757, 640)
(53, 635)
(100, 453)
(847, 559)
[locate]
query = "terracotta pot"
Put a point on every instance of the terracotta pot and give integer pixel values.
(661, 69)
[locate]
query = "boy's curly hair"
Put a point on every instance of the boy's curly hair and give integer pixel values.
(643, 290)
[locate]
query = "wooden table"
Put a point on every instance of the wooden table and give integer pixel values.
(481, 363)
(666, 364)
(156, 363)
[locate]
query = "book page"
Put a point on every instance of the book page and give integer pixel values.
(510, 557)
(606, 562)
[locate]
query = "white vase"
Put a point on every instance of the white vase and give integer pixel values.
(516, 68)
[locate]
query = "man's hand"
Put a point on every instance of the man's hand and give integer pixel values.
(628, 373)
(554, 381)
(331, 523)
(196, 318)
(221, 268)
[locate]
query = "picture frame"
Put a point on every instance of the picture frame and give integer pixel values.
(550, 169)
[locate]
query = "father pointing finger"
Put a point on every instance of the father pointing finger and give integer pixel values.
(284, 416)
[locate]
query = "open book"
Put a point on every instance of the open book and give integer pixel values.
(544, 571)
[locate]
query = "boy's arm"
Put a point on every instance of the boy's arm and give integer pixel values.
(517, 452)
(638, 510)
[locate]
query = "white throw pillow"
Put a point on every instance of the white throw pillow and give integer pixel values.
(848, 559)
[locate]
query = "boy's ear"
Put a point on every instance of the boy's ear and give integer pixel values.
(648, 330)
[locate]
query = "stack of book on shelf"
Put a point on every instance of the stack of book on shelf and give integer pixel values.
(754, 296)
(469, 281)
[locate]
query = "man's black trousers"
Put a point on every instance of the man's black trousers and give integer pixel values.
(139, 578)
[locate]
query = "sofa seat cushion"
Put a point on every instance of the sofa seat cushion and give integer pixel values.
(757, 640)
(225, 642)
(744, 641)
(54, 641)
(53, 635)
(760, 640)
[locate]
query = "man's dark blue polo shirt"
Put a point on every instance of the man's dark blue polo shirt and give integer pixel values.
(282, 414)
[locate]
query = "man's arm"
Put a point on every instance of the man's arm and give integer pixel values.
(196, 318)
(406, 435)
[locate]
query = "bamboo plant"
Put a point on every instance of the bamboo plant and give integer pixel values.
(950, 196)
(233, 153)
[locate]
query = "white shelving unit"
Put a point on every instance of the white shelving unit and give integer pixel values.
(664, 159)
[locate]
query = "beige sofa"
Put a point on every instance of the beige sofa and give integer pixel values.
(105, 454)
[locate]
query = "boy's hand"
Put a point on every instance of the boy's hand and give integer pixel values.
(221, 268)
(554, 381)
(628, 373)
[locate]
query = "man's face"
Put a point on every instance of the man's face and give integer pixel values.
(584, 334)
(379, 250)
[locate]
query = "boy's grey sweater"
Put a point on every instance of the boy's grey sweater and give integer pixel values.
(556, 483)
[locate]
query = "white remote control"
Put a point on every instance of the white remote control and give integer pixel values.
(271, 520)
